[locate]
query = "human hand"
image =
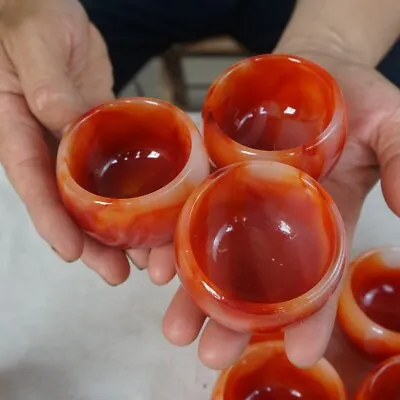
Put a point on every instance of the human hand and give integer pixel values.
(373, 146)
(53, 67)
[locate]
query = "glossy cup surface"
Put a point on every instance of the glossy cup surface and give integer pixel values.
(275, 107)
(126, 168)
(260, 245)
(265, 373)
(369, 306)
(383, 383)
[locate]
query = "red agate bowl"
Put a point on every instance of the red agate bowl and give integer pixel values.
(369, 305)
(126, 168)
(279, 108)
(264, 372)
(383, 383)
(260, 245)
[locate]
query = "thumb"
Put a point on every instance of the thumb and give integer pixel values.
(307, 341)
(51, 94)
(387, 149)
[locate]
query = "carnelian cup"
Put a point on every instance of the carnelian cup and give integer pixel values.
(260, 245)
(279, 108)
(126, 168)
(383, 383)
(369, 305)
(264, 373)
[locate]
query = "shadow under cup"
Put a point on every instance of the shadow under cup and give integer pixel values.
(259, 245)
(126, 168)
(275, 107)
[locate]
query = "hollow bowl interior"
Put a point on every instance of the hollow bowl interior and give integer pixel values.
(375, 283)
(265, 373)
(272, 102)
(128, 149)
(261, 236)
(383, 382)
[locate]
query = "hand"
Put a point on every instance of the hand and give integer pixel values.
(373, 146)
(53, 67)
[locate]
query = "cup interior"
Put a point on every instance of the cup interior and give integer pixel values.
(375, 283)
(128, 149)
(262, 235)
(384, 381)
(266, 373)
(272, 102)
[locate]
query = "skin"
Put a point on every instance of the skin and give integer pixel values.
(54, 66)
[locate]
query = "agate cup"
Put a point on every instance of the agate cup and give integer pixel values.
(260, 245)
(264, 372)
(369, 305)
(126, 168)
(275, 107)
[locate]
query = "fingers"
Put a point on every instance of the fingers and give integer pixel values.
(61, 79)
(349, 184)
(110, 263)
(306, 342)
(183, 320)
(42, 65)
(220, 347)
(162, 264)
(139, 257)
(387, 148)
(24, 156)
(95, 81)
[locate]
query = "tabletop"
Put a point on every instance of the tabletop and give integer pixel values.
(66, 335)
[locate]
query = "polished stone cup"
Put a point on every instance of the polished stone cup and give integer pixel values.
(126, 168)
(279, 108)
(383, 383)
(369, 305)
(264, 372)
(260, 245)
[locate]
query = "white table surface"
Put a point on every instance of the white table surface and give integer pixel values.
(65, 334)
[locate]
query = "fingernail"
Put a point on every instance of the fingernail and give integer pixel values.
(111, 284)
(104, 279)
(60, 256)
(133, 264)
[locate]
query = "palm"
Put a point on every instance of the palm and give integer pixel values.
(372, 145)
(373, 106)
(61, 39)
(54, 65)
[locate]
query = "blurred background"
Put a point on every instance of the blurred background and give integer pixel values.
(183, 74)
